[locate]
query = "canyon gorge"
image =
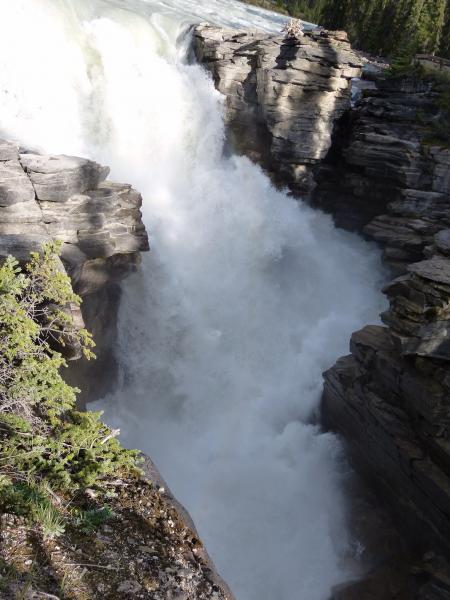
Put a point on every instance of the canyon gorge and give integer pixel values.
(266, 188)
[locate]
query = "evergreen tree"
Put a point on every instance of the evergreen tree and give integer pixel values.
(384, 26)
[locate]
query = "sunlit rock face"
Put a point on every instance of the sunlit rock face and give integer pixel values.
(44, 197)
(283, 95)
(66, 198)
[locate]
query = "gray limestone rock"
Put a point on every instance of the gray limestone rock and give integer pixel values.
(57, 178)
(99, 222)
(15, 186)
(383, 177)
(283, 95)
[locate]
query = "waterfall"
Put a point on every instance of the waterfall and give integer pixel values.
(246, 297)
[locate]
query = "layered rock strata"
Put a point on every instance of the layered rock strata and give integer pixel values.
(99, 222)
(67, 198)
(381, 171)
(390, 398)
(283, 96)
(385, 174)
(388, 177)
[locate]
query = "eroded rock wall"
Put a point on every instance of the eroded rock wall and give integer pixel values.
(385, 176)
(390, 398)
(378, 169)
(149, 548)
(99, 222)
(283, 96)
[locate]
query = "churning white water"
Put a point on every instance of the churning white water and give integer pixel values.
(246, 297)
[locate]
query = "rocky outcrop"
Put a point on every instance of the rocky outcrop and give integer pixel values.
(99, 222)
(282, 95)
(391, 400)
(379, 169)
(67, 198)
(386, 175)
(148, 548)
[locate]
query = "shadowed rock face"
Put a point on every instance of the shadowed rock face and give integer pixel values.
(283, 96)
(384, 176)
(99, 222)
(390, 398)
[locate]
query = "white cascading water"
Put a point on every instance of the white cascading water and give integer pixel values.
(246, 297)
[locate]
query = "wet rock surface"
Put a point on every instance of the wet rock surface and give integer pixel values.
(282, 95)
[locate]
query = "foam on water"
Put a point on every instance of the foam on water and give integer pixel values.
(246, 297)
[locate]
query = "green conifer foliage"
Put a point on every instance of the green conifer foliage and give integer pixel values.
(382, 26)
(46, 445)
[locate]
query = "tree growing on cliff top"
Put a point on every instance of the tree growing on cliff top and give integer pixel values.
(46, 446)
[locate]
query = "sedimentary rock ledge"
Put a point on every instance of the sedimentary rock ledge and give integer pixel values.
(67, 198)
(100, 224)
(390, 398)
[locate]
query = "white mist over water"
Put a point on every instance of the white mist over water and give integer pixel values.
(246, 297)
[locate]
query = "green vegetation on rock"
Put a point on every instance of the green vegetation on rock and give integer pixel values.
(49, 451)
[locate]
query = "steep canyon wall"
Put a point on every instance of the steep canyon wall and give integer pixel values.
(378, 168)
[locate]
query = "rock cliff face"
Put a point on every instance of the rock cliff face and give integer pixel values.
(391, 397)
(380, 171)
(385, 175)
(67, 198)
(99, 223)
(283, 96)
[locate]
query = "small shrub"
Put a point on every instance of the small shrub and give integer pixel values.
(90, 520)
